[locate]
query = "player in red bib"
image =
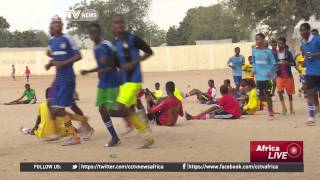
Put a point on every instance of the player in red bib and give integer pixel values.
(27, 73)
(226, 108)
(168, 109)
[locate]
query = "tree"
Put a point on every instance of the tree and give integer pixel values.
(4, 25)
(280, 16)
(207, 23)
(135, 12)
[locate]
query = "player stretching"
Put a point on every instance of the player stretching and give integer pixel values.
(264, 70)
(108, 81)
(311, 48)
(128, 59)
(65, 53)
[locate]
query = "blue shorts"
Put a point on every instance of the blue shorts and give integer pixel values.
(62, 95)
(237, 80)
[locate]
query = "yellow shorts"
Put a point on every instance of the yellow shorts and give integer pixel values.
(128, 93)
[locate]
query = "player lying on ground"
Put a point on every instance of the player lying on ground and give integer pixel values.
(29, 93)
(204, 98)
(226, 108)
(45, 126)
(168, 110)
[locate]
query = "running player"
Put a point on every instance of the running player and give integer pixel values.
(284, 78)
(311, 48)
(65, 53)
(128, 60)
(264, 65)
(236, 62)
(108, 81)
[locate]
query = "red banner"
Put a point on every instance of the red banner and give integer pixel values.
(276, 151)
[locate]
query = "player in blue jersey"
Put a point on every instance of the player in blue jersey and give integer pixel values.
(311, 47)
(64, 53)
(236, 62)
(108, 80)
(128, 60)
(264, 66)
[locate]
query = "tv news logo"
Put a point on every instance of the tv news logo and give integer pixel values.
(276, 151)
(82, 15)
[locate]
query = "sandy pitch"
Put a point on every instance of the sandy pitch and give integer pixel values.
(211, 141)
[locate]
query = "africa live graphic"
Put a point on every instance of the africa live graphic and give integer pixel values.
(276, 151)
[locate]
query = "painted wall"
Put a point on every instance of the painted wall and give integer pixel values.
(177, 58)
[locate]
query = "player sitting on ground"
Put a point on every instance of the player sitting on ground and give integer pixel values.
(29, 93)
(251, 106)
(158, 93)
(231, 90)
(243, 92)
(202, 97)
(226, 108)
(168, 109)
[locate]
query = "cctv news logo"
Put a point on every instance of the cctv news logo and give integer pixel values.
(82, 15)
(276, 151)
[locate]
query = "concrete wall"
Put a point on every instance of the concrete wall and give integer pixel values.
(178, 58)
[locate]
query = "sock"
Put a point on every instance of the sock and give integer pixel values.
(138, 123)
(311, 109)
(261, 105)
(318, 109)
(108, 123)
(68, 124)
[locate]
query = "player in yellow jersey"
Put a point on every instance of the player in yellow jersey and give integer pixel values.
(247, 69)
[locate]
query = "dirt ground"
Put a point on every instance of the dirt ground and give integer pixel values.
(208, 141)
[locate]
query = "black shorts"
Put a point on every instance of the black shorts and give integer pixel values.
(264, 88)
(312, 82)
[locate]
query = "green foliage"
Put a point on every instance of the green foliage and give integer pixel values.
(135, 12)
(207, 23)
(279, 15)
(21, 39)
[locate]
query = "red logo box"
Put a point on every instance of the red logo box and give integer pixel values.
(276, 151)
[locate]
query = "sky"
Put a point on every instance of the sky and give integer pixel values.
(36, 14)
